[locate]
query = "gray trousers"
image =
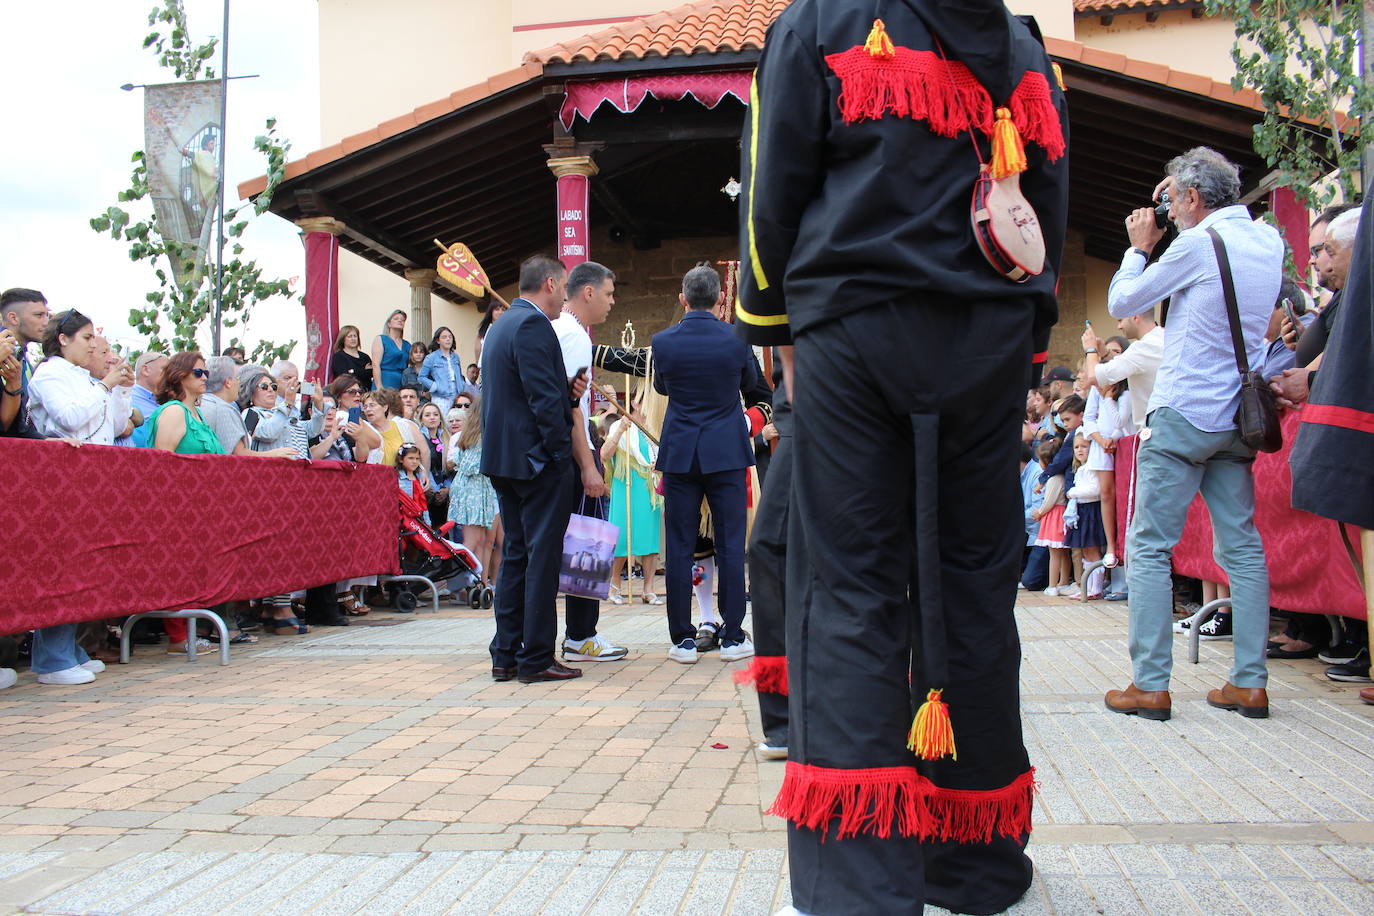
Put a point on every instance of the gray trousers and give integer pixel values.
(1177, 461)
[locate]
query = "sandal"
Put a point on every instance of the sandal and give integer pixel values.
(651, 598)
(286, 626)
(239, 639)
(615, 597)
(202, 648)
(352, 606)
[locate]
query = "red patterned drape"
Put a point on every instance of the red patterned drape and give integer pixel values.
(100, 531)
(628, 94)
(321, 303)
(1309, 569)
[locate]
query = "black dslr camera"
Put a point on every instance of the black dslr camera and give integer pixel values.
(1162, 211)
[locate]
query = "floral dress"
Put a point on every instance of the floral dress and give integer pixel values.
(471, 498)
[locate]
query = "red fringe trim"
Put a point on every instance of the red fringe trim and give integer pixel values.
(920, 85)
(768, 673)
(873, 801)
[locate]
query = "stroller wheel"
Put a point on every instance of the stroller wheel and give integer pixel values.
(488, 597)
(475, 598)
(405, 601)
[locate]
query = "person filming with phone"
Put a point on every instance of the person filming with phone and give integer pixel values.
(1191, 441)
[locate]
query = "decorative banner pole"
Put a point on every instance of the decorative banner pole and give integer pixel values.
(459, 268)
(627, 340)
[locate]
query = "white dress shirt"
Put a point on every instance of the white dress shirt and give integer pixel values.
(1198, 376)
(1139, 362)
(65, 402)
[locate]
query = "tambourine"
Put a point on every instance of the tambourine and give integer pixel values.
(1006, 227)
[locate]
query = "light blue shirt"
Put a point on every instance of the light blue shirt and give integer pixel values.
(443, 375)
(145, 402)
(1198, 376)
(1031, 500)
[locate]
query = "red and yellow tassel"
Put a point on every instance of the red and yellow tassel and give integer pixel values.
(878, 44)
(1008, 150)
(1059, 77)
(932, 734)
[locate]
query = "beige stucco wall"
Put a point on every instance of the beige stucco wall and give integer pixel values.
(1176, 40)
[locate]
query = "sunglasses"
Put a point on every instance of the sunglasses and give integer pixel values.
(462, 406)
(201, 373)
(266, 386)
(353, 391)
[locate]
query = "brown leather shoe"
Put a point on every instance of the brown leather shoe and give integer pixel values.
(502, 674)
(555, 672)
(1251, 702)
(1367, 695)
(1148, 704)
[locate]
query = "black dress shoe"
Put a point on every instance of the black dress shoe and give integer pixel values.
(555, 672)
(502, 674)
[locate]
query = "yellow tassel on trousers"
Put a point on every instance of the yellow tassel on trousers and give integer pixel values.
(932, 734)
(1008, 151)
(878, 44)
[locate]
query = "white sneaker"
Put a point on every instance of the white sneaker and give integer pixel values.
(77, 675)
(739, 650)
(1109, 560)
(771, 751)
(8, 678)
(684, 652)
(1052, 591)
(94, 666)
(1020, 585)
(1069, 591)
(596, 649)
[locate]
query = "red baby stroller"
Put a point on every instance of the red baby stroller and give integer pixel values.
(425, 551)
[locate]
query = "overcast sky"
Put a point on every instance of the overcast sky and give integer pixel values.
(69, 132)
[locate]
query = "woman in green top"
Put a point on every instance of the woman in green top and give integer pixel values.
(177, 426)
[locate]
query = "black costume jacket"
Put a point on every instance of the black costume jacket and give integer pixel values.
(838, 216)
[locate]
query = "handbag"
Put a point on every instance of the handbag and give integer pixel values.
(588, 554)
(1257, 417)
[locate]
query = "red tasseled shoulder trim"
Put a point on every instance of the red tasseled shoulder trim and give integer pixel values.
(873, 801)
(768, 673)
(945, 94)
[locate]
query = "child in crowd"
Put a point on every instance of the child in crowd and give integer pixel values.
(1036, 559)
(414, 480)
(1051, 516)
(410, 375)
(1087, 534)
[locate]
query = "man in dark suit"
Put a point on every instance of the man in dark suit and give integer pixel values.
(527, 452)
(704, 451)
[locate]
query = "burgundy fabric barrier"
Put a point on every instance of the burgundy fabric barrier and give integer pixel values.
(1309, 568)
(100, 531)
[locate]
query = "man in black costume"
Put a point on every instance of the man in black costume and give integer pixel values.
(911, 362)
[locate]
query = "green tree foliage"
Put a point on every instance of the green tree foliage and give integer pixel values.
(1302, 57)
(174, 312)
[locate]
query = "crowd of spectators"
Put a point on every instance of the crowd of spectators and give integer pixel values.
(1149, 379)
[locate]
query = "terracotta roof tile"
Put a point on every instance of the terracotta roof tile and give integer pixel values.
(1102, 7)
(704, 26)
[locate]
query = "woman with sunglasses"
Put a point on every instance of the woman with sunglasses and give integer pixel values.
(270, 425)
(67, 403)
(348, 438)
(432, 425)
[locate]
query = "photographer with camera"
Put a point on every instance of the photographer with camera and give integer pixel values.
(1191, 442)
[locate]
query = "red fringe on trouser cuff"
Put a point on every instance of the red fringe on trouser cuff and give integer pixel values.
(872, 801)
(768, 673)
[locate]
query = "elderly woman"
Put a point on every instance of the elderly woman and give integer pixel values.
(68, 403)
(271, 425)
(382, 410)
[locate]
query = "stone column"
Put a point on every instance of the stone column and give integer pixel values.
(421, 286)
(321, 236)
(574, 222)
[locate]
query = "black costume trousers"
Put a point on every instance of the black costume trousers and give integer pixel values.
(866, 383)
(768, 583)
(535, 514)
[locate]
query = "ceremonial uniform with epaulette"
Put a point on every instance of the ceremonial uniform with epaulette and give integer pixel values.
(907, 779)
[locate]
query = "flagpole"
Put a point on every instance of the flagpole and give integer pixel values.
(219, 216)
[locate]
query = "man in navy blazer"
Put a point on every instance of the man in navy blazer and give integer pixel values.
(704, 450)
(527, 452)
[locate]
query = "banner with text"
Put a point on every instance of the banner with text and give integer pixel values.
(573, 191)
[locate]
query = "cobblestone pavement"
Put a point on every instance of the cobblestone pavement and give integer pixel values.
(377, 769)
